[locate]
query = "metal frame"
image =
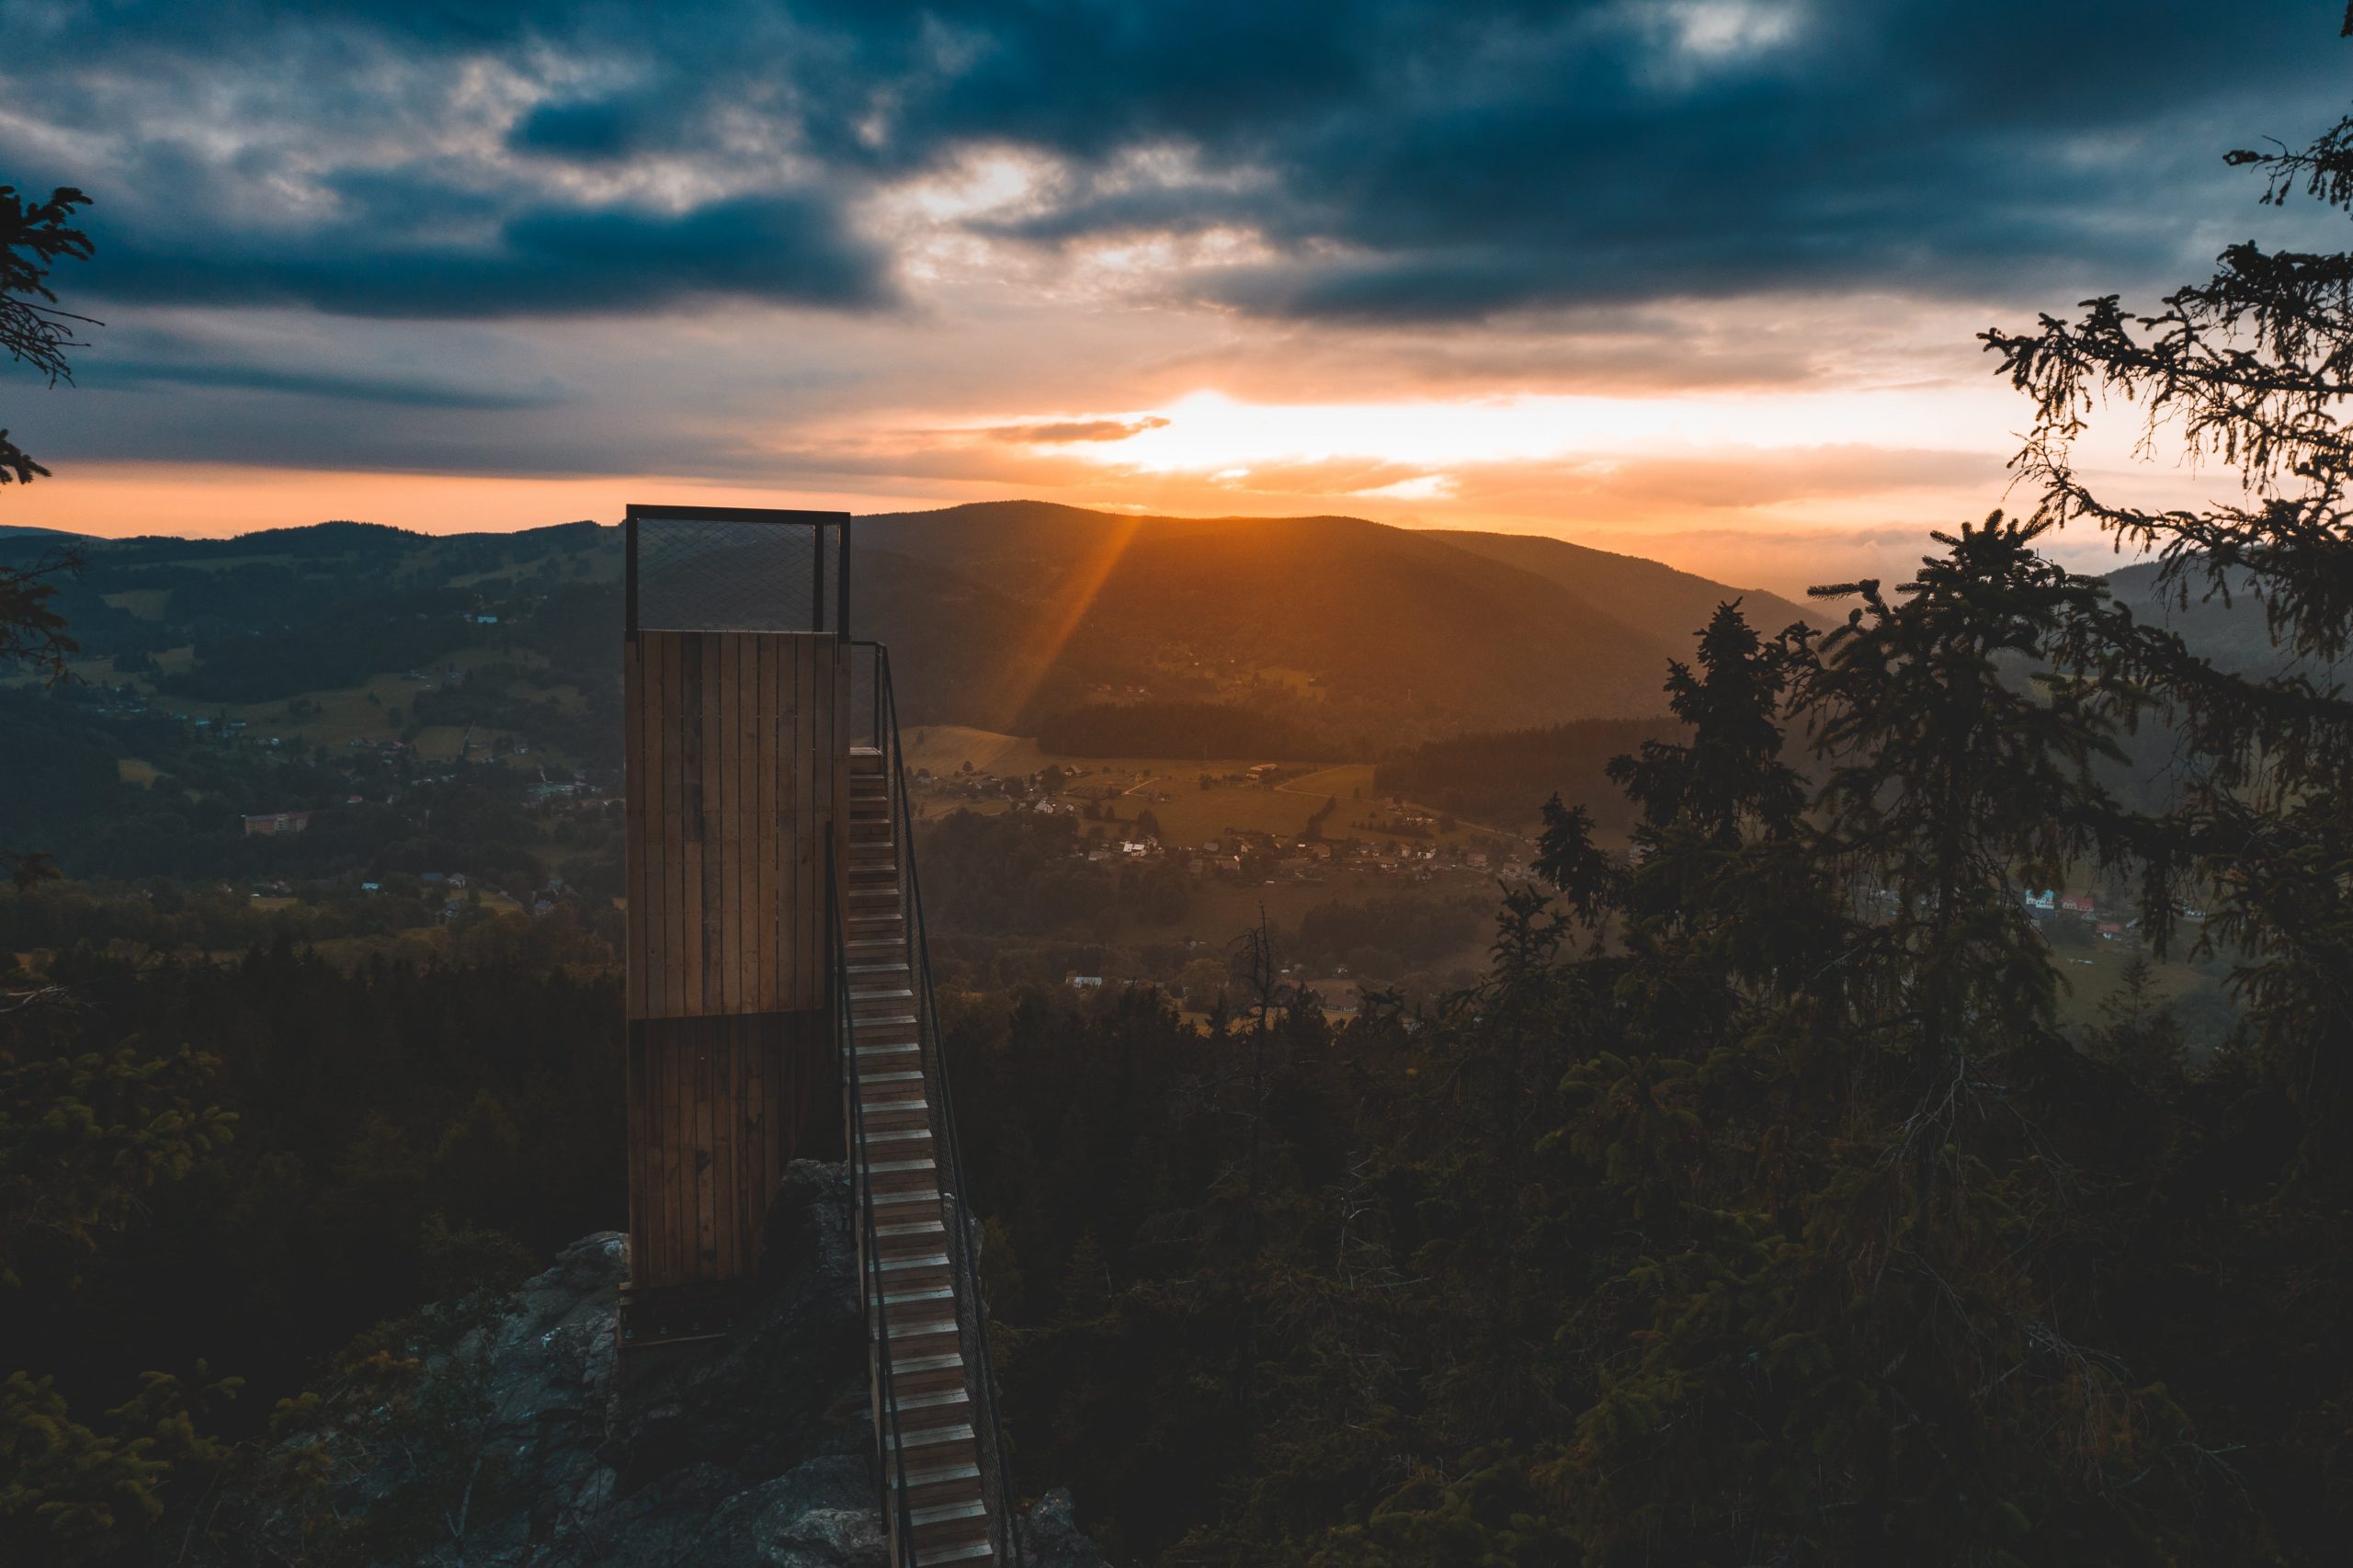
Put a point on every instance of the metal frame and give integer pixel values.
(816, 522)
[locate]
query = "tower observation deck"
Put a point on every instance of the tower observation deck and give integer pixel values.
(779, 998)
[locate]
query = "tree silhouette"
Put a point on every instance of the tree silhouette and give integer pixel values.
(35, 236)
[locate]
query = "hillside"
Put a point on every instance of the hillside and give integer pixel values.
(1644, 592)
(1370, 632)
(1002, 615)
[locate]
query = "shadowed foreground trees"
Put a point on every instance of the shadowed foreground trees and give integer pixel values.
(1753, 1208)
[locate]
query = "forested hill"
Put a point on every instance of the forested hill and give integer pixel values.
(1393, 634)
(999, 614)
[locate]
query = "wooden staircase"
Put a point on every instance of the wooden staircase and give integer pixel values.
(929, 1387)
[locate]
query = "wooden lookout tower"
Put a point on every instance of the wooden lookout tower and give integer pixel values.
(779, 996)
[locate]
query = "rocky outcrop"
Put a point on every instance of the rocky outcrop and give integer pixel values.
(750, 1453)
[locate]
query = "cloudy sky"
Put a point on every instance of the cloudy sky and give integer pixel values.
(1695, 279)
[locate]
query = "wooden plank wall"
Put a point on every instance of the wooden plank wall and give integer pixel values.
(718, 1105)
(736, 750)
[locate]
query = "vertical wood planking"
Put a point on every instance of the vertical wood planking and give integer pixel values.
(744, 916)
(645, 787)
(830, 766)
(688, 967)
(633, 837)
(674, 930)
(808, 848)
(717, 989)
(765, 808)
(757, 1127)
(718, 788)
(674, 775)
(789, 826)
(733, 745)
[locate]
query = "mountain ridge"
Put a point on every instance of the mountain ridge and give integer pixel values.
(1004, 614)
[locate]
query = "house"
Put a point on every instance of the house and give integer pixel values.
(2047, 899)
(2080, 904)
(270, 824)
(2108, 930)
(1086, 982)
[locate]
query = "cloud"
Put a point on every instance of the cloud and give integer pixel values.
(394, 391)
(792, 248)
(1399, 160)
(589, 130)
(1064, 431)
(865, 241)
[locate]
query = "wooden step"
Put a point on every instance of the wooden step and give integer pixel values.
(926, 1260)
(927, 1293)
(946, 1400)
(914, 1227)
(922, 1329)
(930, 1436)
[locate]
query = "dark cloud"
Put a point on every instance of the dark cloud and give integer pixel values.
(788, 248)
(590, 130)
(116, 371)
(1397, 160)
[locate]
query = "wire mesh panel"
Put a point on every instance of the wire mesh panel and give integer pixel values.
(736, 569)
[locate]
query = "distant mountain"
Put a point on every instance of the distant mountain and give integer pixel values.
(1003, 615)
(1372, 633)
(1644, 592)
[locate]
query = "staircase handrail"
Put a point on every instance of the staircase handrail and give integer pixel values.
(889, 743)
(890, 1450)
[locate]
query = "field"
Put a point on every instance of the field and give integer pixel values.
(377, 710)
(1124, 788)
(147, 604)
(948, 748)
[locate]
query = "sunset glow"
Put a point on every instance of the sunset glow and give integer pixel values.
(1695, 308)
(1208, 431)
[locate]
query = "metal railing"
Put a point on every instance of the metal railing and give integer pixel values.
(882, 732)
(890, 1450)
(735, 569)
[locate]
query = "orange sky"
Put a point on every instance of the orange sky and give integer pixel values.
(1698, 279)
(1772, 442)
